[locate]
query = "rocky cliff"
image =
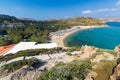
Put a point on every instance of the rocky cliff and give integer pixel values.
(116, 69)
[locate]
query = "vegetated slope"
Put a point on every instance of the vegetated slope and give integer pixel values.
(14, 30)
(87, 63)
(32, 52)
(104, 69)
(74, 70)
(11, 67)
(101, 63)
(84, 21)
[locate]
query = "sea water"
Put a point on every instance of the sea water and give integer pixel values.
(105, 37)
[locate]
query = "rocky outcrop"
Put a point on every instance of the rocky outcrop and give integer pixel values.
(87, 51)
(91, 75)
(116, 71)
(103, 56)
(25, 73)
(117, 48)
(13, 24)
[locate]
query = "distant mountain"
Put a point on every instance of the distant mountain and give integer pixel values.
(11, 21)
(110, 19)
(2, 16)
(7, 18)
(29, 19)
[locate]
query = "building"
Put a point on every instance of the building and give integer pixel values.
(4, 49)
(25, 46)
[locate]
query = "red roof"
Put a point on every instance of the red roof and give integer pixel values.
(3, 49)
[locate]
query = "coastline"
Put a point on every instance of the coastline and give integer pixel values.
(59, 39)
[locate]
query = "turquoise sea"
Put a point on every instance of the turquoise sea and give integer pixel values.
(106, 38)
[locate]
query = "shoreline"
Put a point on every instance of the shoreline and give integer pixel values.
(59, 39)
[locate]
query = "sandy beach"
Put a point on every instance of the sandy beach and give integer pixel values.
(59, 39)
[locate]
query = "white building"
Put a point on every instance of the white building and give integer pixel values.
(30, 45)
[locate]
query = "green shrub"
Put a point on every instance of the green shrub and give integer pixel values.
(18, 64)
(95, 54)
(76, 69)
(108, 51)
(31, 52)
(71, 49)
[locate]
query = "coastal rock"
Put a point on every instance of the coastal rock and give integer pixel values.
(116, 71)
(87, 51)
(117, 49)
(91, 76)
(116, 74)
(103, 56)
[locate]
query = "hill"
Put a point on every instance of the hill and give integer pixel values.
(75, 63)
(14, 30)
(84, 21)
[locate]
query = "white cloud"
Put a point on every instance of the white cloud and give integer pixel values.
(87, 12)
(118, 3)
(100, 10)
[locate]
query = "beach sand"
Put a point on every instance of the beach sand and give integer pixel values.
(60, 39)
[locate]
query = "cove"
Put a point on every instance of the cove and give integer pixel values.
(105, 37)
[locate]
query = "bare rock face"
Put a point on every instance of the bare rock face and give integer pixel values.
(103, 56)
(117, 49)
(116, 74)
(14, 24)
(25, 73)
(91, 75)
(116, 71)
(87, 51)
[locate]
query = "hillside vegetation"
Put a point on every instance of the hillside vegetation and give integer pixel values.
(104, 69)
(84, 21)
(13, 30)
(18, 64)
(85, 63)
(31, 52)
(74, 70)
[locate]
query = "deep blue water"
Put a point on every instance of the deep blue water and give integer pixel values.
(106, 38)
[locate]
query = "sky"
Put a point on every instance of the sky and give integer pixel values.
(55, 9)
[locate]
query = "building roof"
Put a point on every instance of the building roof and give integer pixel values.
(29, 45)
(4, 49)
